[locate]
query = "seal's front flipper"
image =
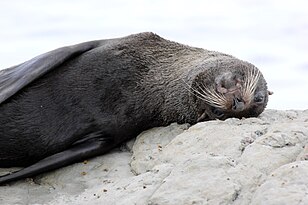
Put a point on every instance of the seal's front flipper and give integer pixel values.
(79, 152)
(15, 78)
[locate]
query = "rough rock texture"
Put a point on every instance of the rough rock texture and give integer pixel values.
(249, 161)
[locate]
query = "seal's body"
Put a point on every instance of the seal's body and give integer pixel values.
(81, 101)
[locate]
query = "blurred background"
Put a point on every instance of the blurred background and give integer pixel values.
(271, 34)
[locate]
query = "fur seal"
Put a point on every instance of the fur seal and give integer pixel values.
(81, 101)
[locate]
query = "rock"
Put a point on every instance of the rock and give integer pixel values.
(285, 185)
(248, 161)
(149, 145)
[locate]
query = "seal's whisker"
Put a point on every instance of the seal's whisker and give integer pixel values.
(251, 82)
(215, 102)
(204, 95)
(255, 78)
(219, 96)
(194, 92)
(213, 97)
(214, 94)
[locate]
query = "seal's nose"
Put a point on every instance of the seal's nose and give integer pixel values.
(237, 104)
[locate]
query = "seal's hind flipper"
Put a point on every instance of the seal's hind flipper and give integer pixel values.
(79, 152)
(15, 78)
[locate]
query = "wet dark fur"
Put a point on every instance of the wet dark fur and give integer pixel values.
(105, 95)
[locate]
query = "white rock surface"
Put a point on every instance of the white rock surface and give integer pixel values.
(249, 161)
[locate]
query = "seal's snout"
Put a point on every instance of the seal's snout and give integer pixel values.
(230, 86)
(238, 104)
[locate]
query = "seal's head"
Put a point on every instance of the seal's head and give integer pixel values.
(229, 88)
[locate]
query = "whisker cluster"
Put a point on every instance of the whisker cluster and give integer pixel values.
(250, 83)
(208, 95)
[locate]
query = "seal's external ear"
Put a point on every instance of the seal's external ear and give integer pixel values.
(15, 78)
